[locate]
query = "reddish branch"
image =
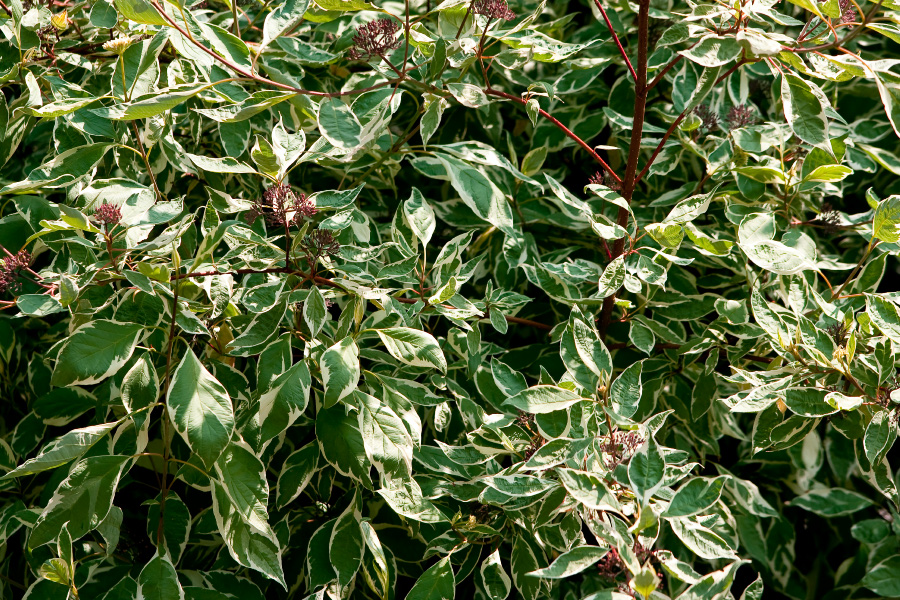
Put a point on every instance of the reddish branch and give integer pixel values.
(250, 75)
(616, 39)
(515, 320)
(838, 43)
(329, 283)
(678, 121)
(665, 70)
(563, 128)
(634, 147)
(670, 346)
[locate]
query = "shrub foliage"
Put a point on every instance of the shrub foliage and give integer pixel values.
(475, 299)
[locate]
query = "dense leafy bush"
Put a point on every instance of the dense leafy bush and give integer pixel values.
(475, 299)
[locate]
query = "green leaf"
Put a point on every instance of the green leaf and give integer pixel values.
(467, 94)
(345, 548)
(345, 5)
(38, 305)
(754, 591)
(522, 562)
(81, 501)
(314, 311)
(151, 106)
(304, 52)
(140, 389)
(176, 526)
(431, 118)
(219, 165)
(67, 448)
(413, 347)
(588, 345)
(200, 409)
(886, 159)
(886, 221)
(571, 563)
(478, 192)
(340, 371)
(59, 108)
(260, 332)
(95, 351)
(667, 235)
(283, 403)
(625, 392)
(296, 473)
(589, 490)
(406, 499)
(420, 216)
(713, 51)
(696, 496)
(437, 583)
(804, 111)
(284, 18)
(881, 432)
(253, 547)
(829, 173)
(338, 124)
(247, 108)
(496, 582)
(645, 581)
(263, 154)
(834, 502)
(543, 399)
(159, 581)
(340, 440)
(700, 540)
(56, 570)
(386, 439)
(612, 278)
(885, 316)
(808, 402)
(646, 469)
(884, 578)
(243, 480)
(140, 11)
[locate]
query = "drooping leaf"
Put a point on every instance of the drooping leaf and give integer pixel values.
(200, 409)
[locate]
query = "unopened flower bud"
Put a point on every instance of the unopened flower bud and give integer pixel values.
(107, 214)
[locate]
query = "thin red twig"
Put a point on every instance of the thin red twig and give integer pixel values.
(677, 122)
(566, 130)
(616, 39)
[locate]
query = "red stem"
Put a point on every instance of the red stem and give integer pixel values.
(634, 147)
(616, 39)
(566, 130)
(665, 70)
(677, 122)
(327, 282)
(257, 78)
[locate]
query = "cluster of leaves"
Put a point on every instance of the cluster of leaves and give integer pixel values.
(471, 298)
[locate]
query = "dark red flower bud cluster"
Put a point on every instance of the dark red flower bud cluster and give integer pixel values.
(709, 119)
(320, 242)
(107, 214)
(605, 179)
(848, 13)
(620, 446)
(740, 116)
(281, 207)
(375, 38)
(10, 268)
(493, 9)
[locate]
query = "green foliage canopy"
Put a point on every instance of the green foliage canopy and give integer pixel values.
(425, 300)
